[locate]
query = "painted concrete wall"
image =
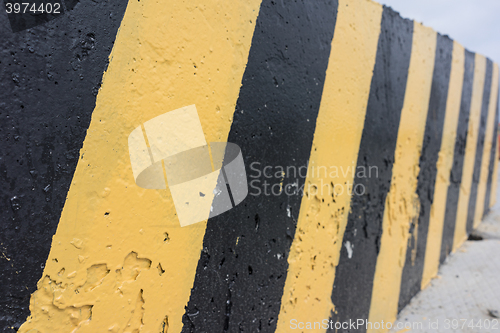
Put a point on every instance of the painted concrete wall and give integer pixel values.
(395, 125)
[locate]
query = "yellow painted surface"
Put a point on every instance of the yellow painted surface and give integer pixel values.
(485, 162)
(494, 179)
(402, 205)
(444, 165)
(470, 151)
(119, 260)
(315, 250)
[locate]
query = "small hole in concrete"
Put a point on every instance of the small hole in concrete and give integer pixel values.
(475, 237)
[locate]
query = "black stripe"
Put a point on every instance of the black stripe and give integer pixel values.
(415, 253)
(450, 216)
(239, 287)
(50, 78)
(493, 161)
(353, 284)
(479, 146)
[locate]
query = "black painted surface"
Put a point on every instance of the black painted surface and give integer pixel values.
(49, 78)
(239, 287)
(480, 145)
(353, 284)
(492, 162)
(70, 4)
(450, 216)
(415, 253)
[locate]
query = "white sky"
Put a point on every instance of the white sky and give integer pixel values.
(473, 23)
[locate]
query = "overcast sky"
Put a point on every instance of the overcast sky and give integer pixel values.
(473, 23)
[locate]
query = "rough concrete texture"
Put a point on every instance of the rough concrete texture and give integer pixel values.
(393, 122)
(466, 289)
(49, 76)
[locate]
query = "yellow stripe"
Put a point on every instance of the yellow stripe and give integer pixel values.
(444, 165)
(485, 162)
(402, 204)
(494, 179)
(168, 54)
(470, 151)
(315, 250)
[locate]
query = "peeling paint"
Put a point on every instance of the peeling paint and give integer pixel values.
(315, 250)
(444, 165)
(470, 151)
(111, 232)
(490, 125)
(402, 206)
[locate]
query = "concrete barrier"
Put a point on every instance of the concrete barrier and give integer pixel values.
(369, 143)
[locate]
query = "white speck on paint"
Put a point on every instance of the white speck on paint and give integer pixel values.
(349, 248)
